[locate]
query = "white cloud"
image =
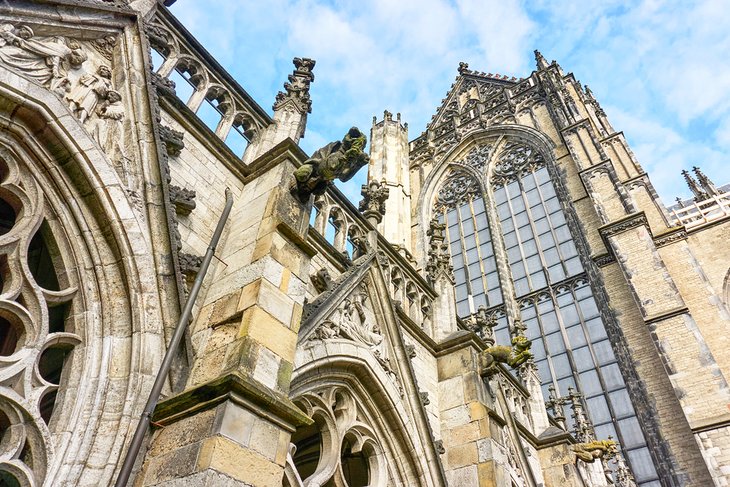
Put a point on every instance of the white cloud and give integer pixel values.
(661, 66)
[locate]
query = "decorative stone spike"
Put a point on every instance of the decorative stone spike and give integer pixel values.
(705, 182)
(555, 403)
(700, 195)
(297, 89)
(540, 60)
(373, 203)
(464, 68)
(584, 431)
(439, 259)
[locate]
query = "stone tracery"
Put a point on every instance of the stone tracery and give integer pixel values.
(349, 450)
(34, 337)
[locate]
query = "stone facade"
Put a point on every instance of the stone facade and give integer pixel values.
(511, 304)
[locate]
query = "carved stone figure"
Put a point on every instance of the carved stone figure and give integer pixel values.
(89, 92)
(337, 160)
(514, 356)
(590, 452)
(45, 61)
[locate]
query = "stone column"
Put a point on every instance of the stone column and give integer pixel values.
(232, 424)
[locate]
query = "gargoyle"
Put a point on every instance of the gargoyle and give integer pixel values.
(337, 160)
(514, 356)
(589, 452)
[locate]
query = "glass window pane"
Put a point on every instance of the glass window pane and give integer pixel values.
(468, 226)
(563, 385)
(567, 250)
(576, 337)
(548, 242)
(507, 225)
(478, 205)
(534, 264)
(495, 297)
(604, 352)
(561, 365)
(590, 385)
(533, 197)
(562, 233)
(583, 359)
(588, 308)
(598, 409)
(549, 321)
(547, 191)
(556, 273)
(612, 377)
(521, 219)
(552, 205)
(621, 403)
(538, 280)
(557, 219)
(573, 266)
(537, 212)
(521, 286)
(631, 433)
(569, 314)
(596, 330)
(641, 464)
(517, 204)
(542, 226)
(555, 343)
(462, 308)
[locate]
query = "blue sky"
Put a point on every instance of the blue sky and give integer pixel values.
(660, 70)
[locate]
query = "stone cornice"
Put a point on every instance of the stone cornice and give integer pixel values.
(271, 405)
(670, 236)
(625, 224)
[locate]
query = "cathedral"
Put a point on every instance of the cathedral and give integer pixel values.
(188, 300)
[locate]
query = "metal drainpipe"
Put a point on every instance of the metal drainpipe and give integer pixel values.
(182, 325)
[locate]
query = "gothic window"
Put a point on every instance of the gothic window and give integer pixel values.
(460, 206)
(36, 332)
(557, 305)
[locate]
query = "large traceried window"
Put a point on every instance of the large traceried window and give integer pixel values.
(551, 287)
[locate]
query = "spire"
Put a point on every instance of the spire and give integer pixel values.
(705, 182)
(584, 431)
(297, 89)
(693, 186)
(541, 62)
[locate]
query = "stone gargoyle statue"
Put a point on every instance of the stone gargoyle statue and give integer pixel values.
(593, 450)
(337, 160)
(514, 356)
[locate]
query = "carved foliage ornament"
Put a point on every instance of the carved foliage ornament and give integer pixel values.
(33, 337)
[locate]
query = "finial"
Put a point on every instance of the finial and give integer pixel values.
(705, 182)
(540, 59)
(297, 88)
(372, 204)
(464, 68)
(700, 195)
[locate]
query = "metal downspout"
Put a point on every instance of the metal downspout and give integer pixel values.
(177, 336)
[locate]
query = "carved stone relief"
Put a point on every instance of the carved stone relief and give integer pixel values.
(80, 73)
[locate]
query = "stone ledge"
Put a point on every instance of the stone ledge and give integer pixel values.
(245, 391)
(622, 225)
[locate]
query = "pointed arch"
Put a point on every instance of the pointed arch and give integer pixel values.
(106, 272)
